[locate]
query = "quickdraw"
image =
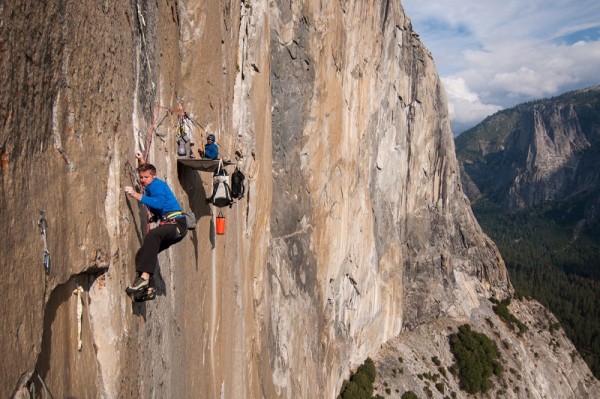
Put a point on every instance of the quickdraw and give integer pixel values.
(44, 233)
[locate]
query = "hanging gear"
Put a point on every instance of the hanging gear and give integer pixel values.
(152, 133)
(220, 224)
(221, 195)
(190, 220)
(237, 184)
(184, 136)
(181, 145)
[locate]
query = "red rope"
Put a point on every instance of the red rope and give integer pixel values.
(152, 129)
(148, 144)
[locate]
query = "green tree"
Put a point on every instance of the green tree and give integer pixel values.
(360, 385)
(476, 359)
(546, 263)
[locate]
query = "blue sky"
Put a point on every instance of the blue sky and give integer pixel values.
(493, 54)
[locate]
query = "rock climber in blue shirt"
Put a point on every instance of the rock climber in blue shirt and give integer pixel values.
(172, 227)
(211, 150)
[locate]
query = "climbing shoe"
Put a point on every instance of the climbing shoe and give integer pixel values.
(144, 295)
(138, 284)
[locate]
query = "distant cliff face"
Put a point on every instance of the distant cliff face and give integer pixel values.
(536, 152)
(353, 229)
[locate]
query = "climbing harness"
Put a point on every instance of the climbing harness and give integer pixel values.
(172, 215)
(167, 221)
(170, 218)
(44, 233)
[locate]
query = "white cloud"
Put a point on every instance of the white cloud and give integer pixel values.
(499, 53)
(464, 105)
(523, 71)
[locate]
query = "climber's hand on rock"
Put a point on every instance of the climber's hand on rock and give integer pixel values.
(129, 191)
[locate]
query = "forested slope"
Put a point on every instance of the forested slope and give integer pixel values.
(532, 174)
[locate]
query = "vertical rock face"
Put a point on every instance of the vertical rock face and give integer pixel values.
(371, 232)
(65, 105)
(353, 228)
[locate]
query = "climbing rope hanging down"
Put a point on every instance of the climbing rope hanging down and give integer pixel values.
(153, 128)
(185, 132)
(143, 158)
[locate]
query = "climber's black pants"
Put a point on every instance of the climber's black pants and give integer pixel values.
(157, 240)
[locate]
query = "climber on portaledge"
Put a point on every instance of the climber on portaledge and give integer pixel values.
(211, 150)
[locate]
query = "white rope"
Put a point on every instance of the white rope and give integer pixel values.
(78, 291)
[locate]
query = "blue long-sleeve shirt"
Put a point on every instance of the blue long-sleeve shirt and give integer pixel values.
(211, 151)
(159, 198)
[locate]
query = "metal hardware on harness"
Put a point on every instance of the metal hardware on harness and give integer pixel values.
(170, 217)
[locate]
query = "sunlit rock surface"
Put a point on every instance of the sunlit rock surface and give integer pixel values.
(539, 363)
(353, 229)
